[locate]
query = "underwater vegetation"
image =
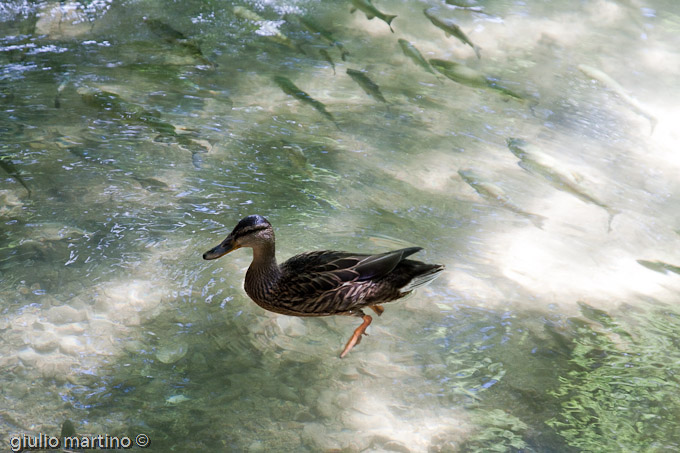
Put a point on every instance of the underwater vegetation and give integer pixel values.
(623, 389)
(498, 431)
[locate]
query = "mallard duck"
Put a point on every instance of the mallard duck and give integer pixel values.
(323, 283)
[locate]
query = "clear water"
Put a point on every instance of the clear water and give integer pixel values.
(141, 153)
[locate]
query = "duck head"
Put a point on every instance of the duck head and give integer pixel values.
(253, 231)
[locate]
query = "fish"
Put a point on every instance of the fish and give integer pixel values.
(11, 169)
(467, 5)
(277, 36)
(462, 3)
(134, 113)
(450, 28)
(149, 184)
(113, 103)
(460, 73)
(176, 37)
(467, 76)
(538, 163)
(495, 195)
(291, 89)
(62, 86)
(296, 157)
(54, 231)
(613, 85)
(659, 266)
(415, 55)
(315, 28)
(366, 84)
(367, 7)
(165, 31)
(327, 57)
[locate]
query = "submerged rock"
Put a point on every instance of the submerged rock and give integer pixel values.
(176, 399)
(172, 352)
(62, 20)
(293, 327)
(64, 314)
(10, 204)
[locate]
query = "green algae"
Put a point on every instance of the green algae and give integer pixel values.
(623, 389)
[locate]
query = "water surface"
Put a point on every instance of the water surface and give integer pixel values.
(134, 135)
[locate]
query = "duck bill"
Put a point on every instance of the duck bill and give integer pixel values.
(228, 245)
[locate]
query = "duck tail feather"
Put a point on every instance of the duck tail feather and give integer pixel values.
(423, 278)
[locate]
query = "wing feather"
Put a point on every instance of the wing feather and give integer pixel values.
(333, 282)
(376, 266)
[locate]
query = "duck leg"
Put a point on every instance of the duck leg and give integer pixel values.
(356, 336)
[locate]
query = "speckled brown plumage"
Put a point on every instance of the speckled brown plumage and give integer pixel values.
(323, 283)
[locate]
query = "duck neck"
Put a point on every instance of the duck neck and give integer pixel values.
(263, 272)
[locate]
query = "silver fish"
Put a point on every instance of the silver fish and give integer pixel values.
(538, 163)
(327, 57)
(371, 11)
(62, 86)
(495, 195)
(176, 37)
(291, 89)
(315, 28)
(462, 3)
(613, 85)
(470, 77)
(296, 157)
(11, 169)
(415, 55)
(366, 84)
(450, 28)
(467, 5)
(113, 103)
(133, 113)
(659, 266)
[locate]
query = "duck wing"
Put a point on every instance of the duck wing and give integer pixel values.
(376, 266)
(334, 282)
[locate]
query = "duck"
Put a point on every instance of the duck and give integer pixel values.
(324, 282)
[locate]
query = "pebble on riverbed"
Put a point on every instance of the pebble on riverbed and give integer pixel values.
(10, 204)
(62, 20)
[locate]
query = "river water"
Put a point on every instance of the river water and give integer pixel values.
(135, 134)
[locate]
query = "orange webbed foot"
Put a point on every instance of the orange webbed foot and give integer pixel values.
(378, 309)
(356, 336)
